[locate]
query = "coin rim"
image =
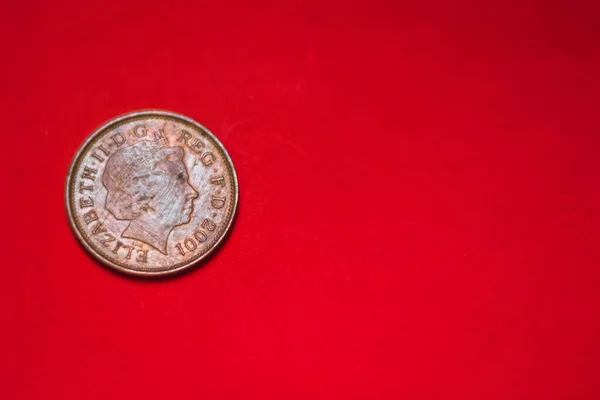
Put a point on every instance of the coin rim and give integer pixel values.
(99, 257)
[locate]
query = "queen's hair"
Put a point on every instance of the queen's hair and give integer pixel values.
(126, 177)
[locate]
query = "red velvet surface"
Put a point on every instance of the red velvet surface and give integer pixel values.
(419, 214)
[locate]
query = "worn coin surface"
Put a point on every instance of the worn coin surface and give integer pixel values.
(151, 193)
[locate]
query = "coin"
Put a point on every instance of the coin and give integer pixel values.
(151, 193)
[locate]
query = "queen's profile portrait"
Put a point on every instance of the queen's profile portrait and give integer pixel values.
(147, 184)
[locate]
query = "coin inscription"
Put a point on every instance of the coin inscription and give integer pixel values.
(151, 193)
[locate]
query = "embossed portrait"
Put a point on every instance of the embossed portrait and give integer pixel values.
(147, 184)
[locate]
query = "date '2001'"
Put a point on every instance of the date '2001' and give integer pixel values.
(191, 243)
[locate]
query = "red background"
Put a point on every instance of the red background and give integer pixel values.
(419, 211)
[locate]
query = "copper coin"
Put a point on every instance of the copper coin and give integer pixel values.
(151, 193)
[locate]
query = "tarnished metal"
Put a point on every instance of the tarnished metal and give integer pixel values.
(151, 193)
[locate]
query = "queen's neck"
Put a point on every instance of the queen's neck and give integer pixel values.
(148, 230)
